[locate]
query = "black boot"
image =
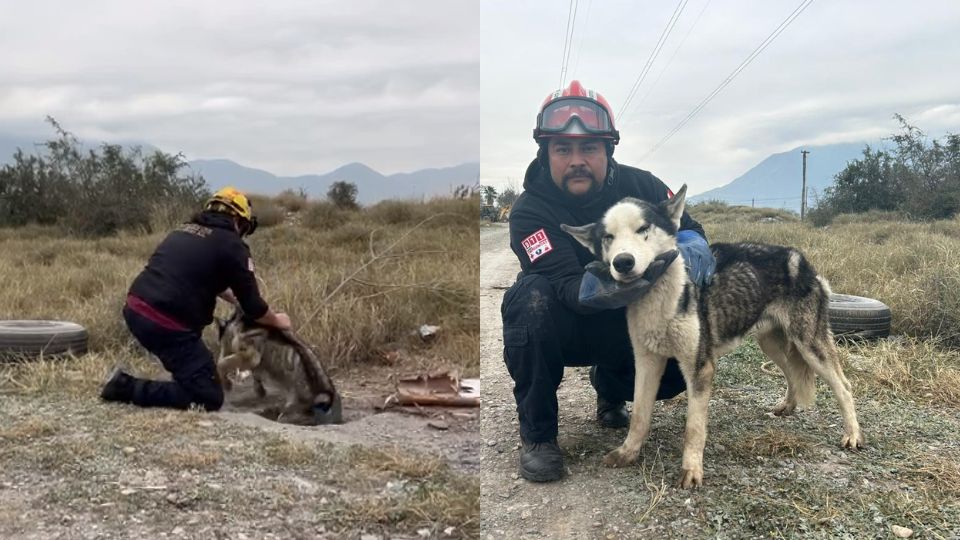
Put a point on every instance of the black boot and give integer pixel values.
(541, 462)
(612, 414)
(119, 387)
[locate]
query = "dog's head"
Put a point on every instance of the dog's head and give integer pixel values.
(227, 328)
(632, 233)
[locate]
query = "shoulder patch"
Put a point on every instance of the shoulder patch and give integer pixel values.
(537, 245)
(250, 264)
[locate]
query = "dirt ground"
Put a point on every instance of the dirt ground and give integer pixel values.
(765, 477)
(74, 467)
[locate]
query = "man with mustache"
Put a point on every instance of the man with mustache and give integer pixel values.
(557, 314)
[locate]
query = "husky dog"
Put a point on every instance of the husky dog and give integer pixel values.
(770, 289)
(284, 359)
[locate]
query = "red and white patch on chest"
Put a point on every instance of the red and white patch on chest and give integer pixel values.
(537, 245)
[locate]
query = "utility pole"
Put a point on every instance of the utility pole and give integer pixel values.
(803, 196)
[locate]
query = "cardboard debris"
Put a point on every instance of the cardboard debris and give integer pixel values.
(443, 388)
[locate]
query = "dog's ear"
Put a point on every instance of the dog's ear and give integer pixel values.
(674, 207)
(584, 235)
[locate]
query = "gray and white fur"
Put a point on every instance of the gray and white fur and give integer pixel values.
(772, 290)
(279, 357)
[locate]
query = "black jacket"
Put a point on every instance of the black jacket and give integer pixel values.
(542, 205)
(193, 265)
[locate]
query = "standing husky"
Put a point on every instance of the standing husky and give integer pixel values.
(282, 358)
(771, 289)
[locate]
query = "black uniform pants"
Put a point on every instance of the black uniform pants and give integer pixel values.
(184, 355)
(541, 336)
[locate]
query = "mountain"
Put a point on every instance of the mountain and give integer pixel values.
(372, 186)
(777, 181)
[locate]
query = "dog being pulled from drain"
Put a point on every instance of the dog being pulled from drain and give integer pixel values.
(283, 359)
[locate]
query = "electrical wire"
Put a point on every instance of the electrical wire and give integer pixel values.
(756, 52)
(653, 56)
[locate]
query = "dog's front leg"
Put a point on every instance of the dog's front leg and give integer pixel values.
(699, 379)
(649, 370)
(225, 365)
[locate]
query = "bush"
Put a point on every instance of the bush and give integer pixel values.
(343, 195)
(291, 201)
(916, 178)
(323, 215)
(267, 211)
(396, 212)
(94, 193)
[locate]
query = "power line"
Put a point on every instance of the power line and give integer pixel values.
(568, 39)
(583, 33)
(674, 55)
(653, 56)
(756, 52)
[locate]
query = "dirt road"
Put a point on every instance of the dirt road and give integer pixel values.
(591, 502)
(765, 477)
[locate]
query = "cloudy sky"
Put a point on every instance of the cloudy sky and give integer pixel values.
(838, 73)
(302, 87)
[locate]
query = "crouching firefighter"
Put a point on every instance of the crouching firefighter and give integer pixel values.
(173, 299)
(557, 313)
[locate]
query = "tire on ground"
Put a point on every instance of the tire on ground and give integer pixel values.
(30, 339)
(858, 317)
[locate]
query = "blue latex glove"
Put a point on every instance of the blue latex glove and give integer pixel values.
(598, 289)
(697, 257)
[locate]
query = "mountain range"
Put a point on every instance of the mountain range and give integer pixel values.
(774, 182)
(777, 181)
(372, 186)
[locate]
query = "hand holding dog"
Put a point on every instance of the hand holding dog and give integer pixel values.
(697, 257)
(598, 289)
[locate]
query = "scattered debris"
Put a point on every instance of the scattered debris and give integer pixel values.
(442, 388)
(428, 332)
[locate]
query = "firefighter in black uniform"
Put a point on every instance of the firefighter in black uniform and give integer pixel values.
(556, 314)
(174, 297)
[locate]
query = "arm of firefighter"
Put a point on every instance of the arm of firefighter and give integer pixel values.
(243, 282)
(544, 249)
(228, 296)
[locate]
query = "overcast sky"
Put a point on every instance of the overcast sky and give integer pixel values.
(838, 73)
(302, 87)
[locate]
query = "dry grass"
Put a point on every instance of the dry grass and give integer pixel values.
(287, 453)
(397, 460)
(188, 459)
(291, 200)
(773, 443)
(920, 370)
(428, 277)
(911, 267)
(31, 428)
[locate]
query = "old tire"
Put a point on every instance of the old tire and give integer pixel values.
(28, 339)
(858, 317)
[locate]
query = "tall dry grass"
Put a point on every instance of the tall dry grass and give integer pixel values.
(912, 267)
(429, 276)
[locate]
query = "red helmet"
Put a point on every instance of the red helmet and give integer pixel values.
(575, 112)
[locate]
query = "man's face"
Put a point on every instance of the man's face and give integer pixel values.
(578, 166)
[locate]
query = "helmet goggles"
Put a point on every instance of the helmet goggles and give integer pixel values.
(575, 116)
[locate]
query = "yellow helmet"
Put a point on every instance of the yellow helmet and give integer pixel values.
(232, 199)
